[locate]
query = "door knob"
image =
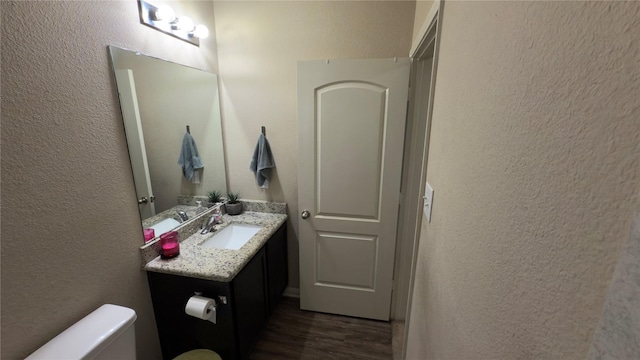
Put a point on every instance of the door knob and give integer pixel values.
(305, 214)
(143, 200)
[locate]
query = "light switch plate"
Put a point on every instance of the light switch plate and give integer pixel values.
(428, 201)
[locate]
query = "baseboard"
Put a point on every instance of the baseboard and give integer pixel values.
(291, 292)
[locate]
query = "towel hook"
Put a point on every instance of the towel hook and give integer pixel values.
(264, 131)
(188, 130)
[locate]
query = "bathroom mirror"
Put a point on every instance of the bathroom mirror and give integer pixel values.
(160, 100)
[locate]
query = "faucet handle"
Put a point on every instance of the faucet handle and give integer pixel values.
(210, 225)
(183, 215)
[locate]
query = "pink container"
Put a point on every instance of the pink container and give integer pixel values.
(170, 243)
(149, 234)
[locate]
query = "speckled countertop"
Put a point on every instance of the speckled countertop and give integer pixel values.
(219, 264)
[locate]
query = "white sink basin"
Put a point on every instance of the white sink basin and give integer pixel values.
(164, 226)
(233, 237)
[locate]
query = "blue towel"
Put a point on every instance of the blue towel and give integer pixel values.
(262, 162)
(189, 158)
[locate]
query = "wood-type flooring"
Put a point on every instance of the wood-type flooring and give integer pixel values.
(295, 334)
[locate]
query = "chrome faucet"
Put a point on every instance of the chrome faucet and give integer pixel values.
(213, 221)
(183, 215)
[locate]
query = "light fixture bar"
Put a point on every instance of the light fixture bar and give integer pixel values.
(148, 16)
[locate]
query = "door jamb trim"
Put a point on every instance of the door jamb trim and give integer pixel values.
(430, 36)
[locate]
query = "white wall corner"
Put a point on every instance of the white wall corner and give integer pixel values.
(426, 24)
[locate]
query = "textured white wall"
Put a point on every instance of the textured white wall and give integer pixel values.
(618, 333)
(259, 44)
(70, 226)
(535, 163)
(421, 19)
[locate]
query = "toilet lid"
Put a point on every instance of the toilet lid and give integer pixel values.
(199, 354)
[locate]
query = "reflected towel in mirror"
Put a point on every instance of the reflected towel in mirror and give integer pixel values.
(190, 159)
(262, 162)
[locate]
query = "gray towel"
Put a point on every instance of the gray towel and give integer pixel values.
(262, 162)
(189, 158)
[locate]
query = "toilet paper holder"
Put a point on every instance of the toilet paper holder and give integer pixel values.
(212, 309)
(223, 299)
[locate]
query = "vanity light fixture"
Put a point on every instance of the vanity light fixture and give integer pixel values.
(183, 23)
(201, 31)
(164, 19)
(163, 13)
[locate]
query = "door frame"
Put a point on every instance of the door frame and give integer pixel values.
(410, 216)
(128, 98)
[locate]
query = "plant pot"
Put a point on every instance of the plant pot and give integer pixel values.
(233, 209)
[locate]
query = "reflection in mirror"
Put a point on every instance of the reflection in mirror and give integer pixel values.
(160, 100)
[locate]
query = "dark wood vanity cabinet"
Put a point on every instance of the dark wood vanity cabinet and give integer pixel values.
(251, 297)
(277, 266)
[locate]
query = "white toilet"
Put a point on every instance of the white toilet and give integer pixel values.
(107, 333)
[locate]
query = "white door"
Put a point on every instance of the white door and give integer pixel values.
(135, 140)
(351, 120)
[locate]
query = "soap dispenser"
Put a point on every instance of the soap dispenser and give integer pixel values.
(217, 215)
(200, 209)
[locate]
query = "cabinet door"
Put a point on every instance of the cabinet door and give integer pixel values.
(180, 332)
(250, 298)
(277, 266)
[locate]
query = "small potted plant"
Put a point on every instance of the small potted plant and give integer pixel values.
(233, 205)
(215, 196)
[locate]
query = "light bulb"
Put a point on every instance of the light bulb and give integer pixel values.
(184, 23)
(164, 13)
(201, 32)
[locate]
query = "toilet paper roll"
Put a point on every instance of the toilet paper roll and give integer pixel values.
(200, 307)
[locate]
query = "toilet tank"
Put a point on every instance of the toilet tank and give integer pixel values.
(106, 333)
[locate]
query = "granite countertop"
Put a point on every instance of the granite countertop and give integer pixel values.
(219, 264)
